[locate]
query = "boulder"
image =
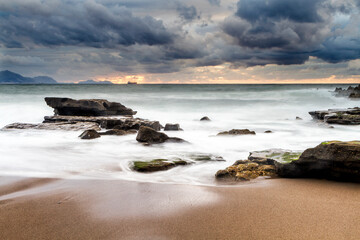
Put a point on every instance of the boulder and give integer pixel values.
(87, 107)
(245, 170)
(333, 160)
(350, 116)
(150, 136)
(156, 165)
(237, 132)
(205, 119)
(89, 134)
(172, 127)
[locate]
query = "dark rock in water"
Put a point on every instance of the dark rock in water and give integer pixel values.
(350, 116)
(67, 126)
(205, 119)
(156, 165)
(87, 107)
(351, 92)
(89, 134)
(172, 127)
(298, 118)
(149, 135)
(237, 132)
(333, 160)
(206, 157)
(268, 131)
(245, 170)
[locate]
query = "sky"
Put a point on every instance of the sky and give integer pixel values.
(197, 41)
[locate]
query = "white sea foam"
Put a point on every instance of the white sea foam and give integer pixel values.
(44, 153)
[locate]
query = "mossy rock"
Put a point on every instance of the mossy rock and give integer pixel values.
(156, 165)
(279, 155)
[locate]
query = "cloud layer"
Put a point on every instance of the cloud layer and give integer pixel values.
(134, 37)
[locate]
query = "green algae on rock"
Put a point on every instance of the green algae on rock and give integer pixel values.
(156, 165)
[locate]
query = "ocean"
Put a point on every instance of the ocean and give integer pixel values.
(61, 154)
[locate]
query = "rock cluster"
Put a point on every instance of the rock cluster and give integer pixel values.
(350, 116)
(87, 107)
(351, 92)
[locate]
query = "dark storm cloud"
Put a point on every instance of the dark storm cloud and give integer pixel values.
(87, 24)
(187, 13)
(289, 32)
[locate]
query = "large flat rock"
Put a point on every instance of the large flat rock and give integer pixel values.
(349, 116)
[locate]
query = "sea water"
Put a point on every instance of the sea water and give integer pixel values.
(61, 154)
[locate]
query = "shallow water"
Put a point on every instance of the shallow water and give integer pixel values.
(41, 153)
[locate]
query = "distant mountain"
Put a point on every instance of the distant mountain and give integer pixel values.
(7, 77)
(94, 82)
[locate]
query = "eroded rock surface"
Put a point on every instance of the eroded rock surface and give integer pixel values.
(87, 107)
(350, 116)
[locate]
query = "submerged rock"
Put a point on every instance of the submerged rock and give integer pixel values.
(350, 116)
(87, 107)
(268, 131)
(237, 132)
(156, 165)
(150, 136)
(275, 154)
(206, 157)
(172, 127)
(68, 126)
(205, 119)
(330, 160)
(89, 134)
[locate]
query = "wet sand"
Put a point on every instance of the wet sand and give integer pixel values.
(103, 209)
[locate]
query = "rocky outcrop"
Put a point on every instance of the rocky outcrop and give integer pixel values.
(87, 107)
(172, 127)
(150, 136)
(124, 123)
(156, 165)
(351, 92)
(205, 119)
(89, 134)
(237, 132)
(350, 116)
(330, 160)
(68, 126)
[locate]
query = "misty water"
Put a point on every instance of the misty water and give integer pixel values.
(45, 153)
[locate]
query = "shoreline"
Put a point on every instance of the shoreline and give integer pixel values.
(34, 208)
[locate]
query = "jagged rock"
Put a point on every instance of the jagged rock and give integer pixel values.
(156, 165)
(87, 107)
(89, 134)
(350, 116)
(68, 126)
(330, 160)
(172, 127)
(205, 119)
(123, 123)
(149, 135)
(351, 92)
(237, 132)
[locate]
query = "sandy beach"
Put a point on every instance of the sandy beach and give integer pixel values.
(103, 209)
